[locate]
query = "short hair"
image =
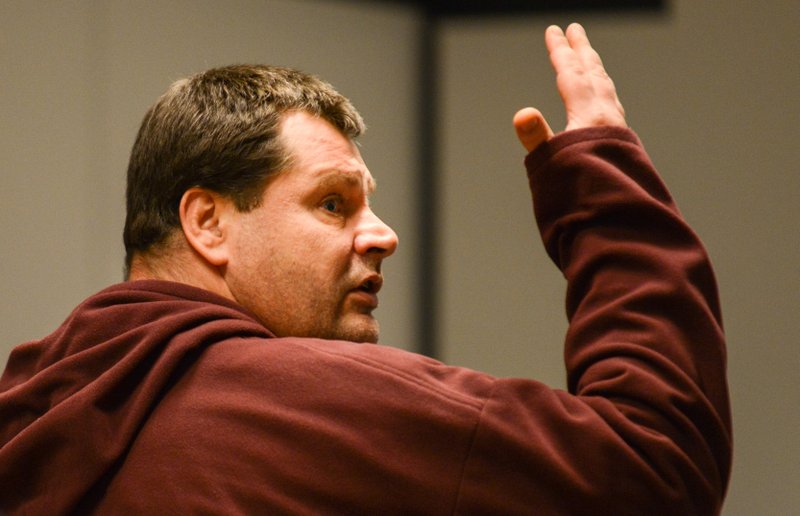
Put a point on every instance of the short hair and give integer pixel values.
(218, 130)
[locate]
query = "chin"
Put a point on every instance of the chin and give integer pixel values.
(365, 337)
(359, 329)
(363, 333)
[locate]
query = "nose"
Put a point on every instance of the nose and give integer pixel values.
(374, 236)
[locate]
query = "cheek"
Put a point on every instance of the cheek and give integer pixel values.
(326, 266)
(295, 248)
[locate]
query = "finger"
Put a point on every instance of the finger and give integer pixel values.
(588, 56)
(589, 94)
(532, 128)
(553, 37)
(562, 56)
(592, 63)
(571, 79)
(574, 84)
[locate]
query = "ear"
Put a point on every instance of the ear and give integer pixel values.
(204, 216)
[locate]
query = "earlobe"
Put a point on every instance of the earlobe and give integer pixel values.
(203, 216)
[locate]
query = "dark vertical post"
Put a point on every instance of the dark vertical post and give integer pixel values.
(427, 188)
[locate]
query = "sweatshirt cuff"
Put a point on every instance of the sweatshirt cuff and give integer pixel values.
(544, 152)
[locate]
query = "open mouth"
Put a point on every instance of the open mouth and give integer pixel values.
(371, 285)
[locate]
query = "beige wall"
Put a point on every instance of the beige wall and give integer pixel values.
(712, 88)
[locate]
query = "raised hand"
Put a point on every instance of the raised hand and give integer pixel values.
(587, 91)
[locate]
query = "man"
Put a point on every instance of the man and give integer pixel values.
(224, 376)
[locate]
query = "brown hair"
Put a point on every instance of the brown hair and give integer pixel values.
(218, 130)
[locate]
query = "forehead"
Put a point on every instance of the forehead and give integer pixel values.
(319, 151)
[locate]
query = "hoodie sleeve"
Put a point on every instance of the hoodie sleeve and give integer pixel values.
(645, 427)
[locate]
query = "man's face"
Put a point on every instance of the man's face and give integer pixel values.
(307, 261)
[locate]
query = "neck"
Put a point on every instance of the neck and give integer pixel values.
(181, 266)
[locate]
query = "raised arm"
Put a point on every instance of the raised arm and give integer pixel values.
(645, 427)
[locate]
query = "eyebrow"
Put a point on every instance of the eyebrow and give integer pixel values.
(352, 178)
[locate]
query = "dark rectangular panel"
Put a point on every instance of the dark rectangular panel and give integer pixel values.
(506, 7)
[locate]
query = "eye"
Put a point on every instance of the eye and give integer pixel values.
(332, 204)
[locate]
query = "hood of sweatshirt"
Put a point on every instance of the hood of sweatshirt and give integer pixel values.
(72, 403)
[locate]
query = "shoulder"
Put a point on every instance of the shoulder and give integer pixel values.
(331, 366)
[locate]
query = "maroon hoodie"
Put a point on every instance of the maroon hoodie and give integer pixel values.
(156, 397)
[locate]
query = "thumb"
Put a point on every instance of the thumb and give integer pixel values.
(532, 129)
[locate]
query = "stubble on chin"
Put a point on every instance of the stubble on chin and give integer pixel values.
(360, 331)
(351, 322)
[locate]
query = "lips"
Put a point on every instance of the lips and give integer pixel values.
(366, 293)
(371, 284)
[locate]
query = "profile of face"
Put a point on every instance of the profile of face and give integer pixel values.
(307, 261)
